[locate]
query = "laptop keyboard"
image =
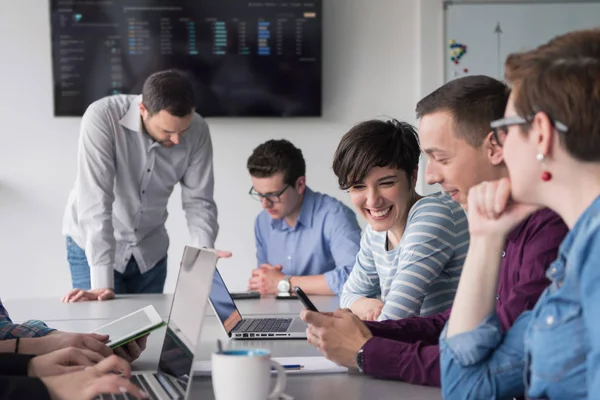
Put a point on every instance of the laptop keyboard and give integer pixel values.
(141, 382)
(265, 325)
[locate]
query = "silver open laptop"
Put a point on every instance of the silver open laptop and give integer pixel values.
(173, 380)
(238, 327)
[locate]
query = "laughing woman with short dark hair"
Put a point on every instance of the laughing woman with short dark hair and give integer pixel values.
(412, 251)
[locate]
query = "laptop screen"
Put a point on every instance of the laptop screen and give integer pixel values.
(175, 357)
(185, 318)
(223, 303)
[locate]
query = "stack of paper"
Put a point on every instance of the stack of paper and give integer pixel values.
(293, 365)
(310, 365)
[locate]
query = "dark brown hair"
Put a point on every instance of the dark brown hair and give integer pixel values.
(376, 143)
(275, 156)
(473, 101)
(170, 91)
(562, 79)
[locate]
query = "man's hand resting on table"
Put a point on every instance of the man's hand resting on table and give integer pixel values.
(265, 279)
(76, 295)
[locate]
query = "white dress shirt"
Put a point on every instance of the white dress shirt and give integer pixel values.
(118, 206)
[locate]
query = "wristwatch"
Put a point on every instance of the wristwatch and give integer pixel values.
(359, 361)
(284, 285)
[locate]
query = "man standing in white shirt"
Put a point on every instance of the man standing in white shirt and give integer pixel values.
(132, 152)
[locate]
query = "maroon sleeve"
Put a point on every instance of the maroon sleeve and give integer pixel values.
(407, 349)
(411, 330)
(544, 233)
(417, 363)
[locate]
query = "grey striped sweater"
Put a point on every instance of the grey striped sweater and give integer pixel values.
(420, 275)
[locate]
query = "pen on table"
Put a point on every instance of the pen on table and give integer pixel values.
(292, 366)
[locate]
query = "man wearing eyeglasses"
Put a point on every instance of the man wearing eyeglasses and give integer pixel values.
(303, 238)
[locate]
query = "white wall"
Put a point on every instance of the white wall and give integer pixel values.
(430, 70)
(380, 57)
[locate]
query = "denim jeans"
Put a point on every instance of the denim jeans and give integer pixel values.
(129, 282)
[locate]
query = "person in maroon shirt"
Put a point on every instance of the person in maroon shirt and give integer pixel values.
(461, 151)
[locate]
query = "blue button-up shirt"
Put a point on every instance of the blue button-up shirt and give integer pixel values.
(325, 240)
(552, 351)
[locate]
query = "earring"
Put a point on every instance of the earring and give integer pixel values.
(546, 175)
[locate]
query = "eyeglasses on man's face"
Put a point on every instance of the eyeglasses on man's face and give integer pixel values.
(272, 198)
(500, 126)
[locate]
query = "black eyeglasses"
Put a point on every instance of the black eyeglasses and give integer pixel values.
(501, 125)
(270, 197)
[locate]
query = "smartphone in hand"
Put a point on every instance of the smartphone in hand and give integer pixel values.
(304, 299)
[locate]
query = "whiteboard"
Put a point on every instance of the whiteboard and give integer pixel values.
(492, 31)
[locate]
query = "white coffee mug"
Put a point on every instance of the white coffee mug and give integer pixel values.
(245, 374)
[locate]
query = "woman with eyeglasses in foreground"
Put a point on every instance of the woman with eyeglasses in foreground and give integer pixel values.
(551, 140)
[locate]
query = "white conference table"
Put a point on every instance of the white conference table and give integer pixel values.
(86, 316)
(51, 309)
